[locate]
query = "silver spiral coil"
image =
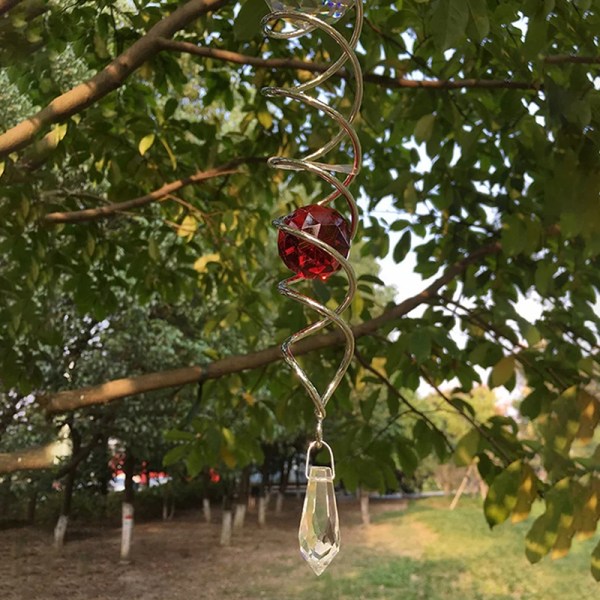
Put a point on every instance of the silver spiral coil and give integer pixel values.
(302, 24)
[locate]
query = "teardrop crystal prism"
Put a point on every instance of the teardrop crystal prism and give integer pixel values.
(319, 533)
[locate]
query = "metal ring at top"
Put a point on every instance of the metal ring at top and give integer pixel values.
(311, 447)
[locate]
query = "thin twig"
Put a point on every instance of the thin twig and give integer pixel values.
(392, 388)
(480, 429)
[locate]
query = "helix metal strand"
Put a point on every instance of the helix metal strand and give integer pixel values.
(300, 24)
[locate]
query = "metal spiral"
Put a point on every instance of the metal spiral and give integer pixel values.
(302, 24)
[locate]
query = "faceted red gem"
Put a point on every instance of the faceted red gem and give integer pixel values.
(304, 258)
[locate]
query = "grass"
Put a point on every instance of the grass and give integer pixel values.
(431, 553)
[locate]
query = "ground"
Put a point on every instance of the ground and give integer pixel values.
(423, 552)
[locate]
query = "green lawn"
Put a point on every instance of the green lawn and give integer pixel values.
(448, 556)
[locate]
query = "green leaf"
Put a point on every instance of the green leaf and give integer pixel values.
(175, 454)
(423, 437)
(526, 494)
(424, 129)
(467, 448)
(247, 23)
(544, 532)
(543, 276)
(407, 457)
(153, 250)
(502, 371)
(367, 406)
(479, 14)
(170, 107)
(393, 403)
(195, 460)
(145, 143)
(420, 346)
(514, 235)
(174, 435)
(402, 247)
(411, 197)
(448, 22)
(502, 495)
(532, 334)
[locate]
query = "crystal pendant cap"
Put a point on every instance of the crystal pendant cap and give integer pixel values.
(319, 533)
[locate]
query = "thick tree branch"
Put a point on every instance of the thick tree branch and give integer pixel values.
(107, 80)
(43, 457)
(113, 390)
(110, 210)
(382, 80)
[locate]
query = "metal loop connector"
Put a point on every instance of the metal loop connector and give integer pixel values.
(311, 447)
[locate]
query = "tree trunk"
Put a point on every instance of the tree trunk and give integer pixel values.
(226, 521)
(5, 495)
(285, 477)
(262, 511)
(168, 502)
(242, 499)
(206, 509)
(63, 520)
(128, 511)
(262, 495)
(364, 506)
(104, 478)
(31, 507)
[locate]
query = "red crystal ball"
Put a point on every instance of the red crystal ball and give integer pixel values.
(306, 259)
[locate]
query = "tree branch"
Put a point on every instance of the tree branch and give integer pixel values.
(382, 80)
(107, 80)
(412, 408)
(80, 455)
(110, 210)
(113, 390)
(43, 457)
(558, 59)
(476, 425)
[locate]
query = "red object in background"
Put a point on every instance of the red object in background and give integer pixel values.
(214, 476)
(305, 259)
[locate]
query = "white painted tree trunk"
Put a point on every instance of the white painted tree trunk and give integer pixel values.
(60, 530)
(279, 503)
(206, 509)
(126, 531)
(239, 516)
(226, 528)
(364, 507)
(262, 511)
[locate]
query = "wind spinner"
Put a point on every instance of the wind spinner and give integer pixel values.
(314, 242)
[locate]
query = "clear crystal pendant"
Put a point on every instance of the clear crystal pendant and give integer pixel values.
(319, 533)
(328, 10)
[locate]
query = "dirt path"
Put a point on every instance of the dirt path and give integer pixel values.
(176, 560)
